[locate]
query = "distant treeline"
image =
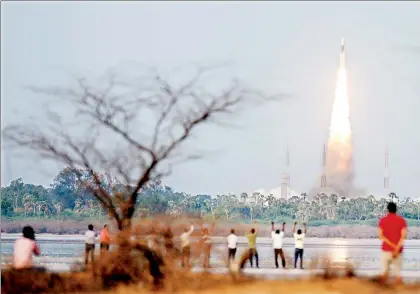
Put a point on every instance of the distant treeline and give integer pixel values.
(67, 198)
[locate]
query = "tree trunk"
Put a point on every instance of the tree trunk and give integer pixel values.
(250, 209)
(16, 205)
(125, 224)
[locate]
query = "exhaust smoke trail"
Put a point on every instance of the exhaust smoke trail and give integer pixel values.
(339, 158)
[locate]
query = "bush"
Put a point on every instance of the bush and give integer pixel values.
(67, 212)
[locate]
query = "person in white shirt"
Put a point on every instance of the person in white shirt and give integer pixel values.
(232, 241)
(186, 247)
(90, 236)
(277, 237)
(299, 238)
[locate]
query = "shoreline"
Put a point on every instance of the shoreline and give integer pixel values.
(339, 241)
(242, 239)
(74, 229)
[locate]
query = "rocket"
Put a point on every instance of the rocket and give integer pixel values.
(342, 55)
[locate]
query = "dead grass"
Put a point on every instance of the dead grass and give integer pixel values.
(133, 268)
(187, 282)
(207, 284)
(29, 281)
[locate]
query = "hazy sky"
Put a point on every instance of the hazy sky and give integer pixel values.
(276, 46)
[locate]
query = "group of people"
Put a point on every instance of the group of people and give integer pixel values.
(25, 247)
(392, 233)
(204, 243)
(277, 236)
(90, 239)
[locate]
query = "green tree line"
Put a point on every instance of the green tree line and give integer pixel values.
(67, 197)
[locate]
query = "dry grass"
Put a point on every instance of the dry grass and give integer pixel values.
(133, 268)
(202, 283)
(28, 281)
(186, 282)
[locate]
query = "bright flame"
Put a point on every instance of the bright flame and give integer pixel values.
(339, 161)
(340, 130)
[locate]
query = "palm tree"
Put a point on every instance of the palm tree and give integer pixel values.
(77, 205)
(39, 206)
(392, 196)
(270, 200)
(58, 207)
(244, 196)
(28, 201)
(46, 210)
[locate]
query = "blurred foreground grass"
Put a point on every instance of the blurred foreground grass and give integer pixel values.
(188, 283)
(133, 267)
(222, 284)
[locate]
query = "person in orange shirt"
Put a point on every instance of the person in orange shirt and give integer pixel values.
(105, 239)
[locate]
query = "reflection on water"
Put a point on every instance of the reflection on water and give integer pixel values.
(339, 253)
(365, 254)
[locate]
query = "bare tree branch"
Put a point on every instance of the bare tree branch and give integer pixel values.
(141, 127)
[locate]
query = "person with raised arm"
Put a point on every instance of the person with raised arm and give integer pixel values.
(186, 247)
(232, 241)
(299, 238)
(252, 244)
(277, 237)
(207, 245)
(392, 232)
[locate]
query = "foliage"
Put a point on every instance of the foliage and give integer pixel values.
(65, 197)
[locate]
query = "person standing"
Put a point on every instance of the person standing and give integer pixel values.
(90, 237)
(186, 247)
(207, 245)
(252, 245)
(277, 237)
(299, 238)
(392, 232)
(104, 239)
(168, 242)
(151, 239)
(24, 249)
(232, 241)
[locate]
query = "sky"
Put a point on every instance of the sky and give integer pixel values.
(275, 46)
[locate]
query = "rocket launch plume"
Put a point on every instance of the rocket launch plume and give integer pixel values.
(339, 158)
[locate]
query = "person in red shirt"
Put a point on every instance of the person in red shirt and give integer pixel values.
(392, 232)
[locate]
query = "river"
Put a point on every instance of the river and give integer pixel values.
(58, 253)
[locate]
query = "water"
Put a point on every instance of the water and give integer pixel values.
(58, 253)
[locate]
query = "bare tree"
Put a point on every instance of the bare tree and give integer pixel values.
(146, 121)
